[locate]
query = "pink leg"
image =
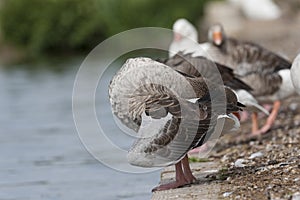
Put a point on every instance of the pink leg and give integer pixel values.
(182, 177)
(202, 148)
(270, 120)
(187, 170)
(254, 122)
(244, 116)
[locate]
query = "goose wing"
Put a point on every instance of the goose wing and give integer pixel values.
(170, 127)
(151, 98)
(198, 66)
(257, 66)
(125, 88)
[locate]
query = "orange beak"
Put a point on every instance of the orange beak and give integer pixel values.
(177, 37)
(217, 37)
(237, 114)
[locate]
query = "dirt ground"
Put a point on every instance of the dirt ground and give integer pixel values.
(267, 167)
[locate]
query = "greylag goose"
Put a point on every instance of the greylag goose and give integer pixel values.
(171, 113)
(265, 71)
(187, 44)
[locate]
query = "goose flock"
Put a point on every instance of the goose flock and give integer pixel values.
(175, 105)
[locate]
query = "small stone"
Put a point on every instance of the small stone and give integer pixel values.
(283, 164)
(239, 163)
(224, 158)
(256, 155)
(296, 196)
(293, 106)
(227, 194)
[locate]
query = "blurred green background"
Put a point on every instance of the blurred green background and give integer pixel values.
(72, 26)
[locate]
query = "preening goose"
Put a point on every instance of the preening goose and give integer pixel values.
(265, 71)
(154, 100)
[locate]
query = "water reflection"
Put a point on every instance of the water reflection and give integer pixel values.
(41, 154)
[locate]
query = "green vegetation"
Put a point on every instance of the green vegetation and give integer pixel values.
(56, 26)
(223, 174)
(194, 159)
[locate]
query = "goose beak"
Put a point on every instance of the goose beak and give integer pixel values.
(237, 114)
(217, 38)
(177, 37)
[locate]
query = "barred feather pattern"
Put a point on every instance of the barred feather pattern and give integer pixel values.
(254, 65)
(152, 99)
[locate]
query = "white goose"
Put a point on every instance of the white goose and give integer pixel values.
(185, 38)
(153, 100)
(258, 9)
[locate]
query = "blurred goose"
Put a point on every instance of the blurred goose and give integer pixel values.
(258, 9)
(265, 71)
(296, 70)
(185, 38)
(171, 113)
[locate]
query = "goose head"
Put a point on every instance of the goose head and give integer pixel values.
(183, 28)
(216, 34)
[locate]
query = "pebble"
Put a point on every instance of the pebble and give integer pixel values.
(256, 155)
(239, 163)
(211, 171)
(296, 196)
(283, 164)
(224, 158)
(227, 194)
(293, 106)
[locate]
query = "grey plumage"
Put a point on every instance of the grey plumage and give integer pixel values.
(152, 99)
(198, 65)
(254, 64)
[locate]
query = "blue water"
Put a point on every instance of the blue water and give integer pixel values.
(41, 155)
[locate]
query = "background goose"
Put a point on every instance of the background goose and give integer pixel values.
(185, 38)
(188, 44)
(153, 100)
(258, 9)
(195, 66)
(266, 72)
